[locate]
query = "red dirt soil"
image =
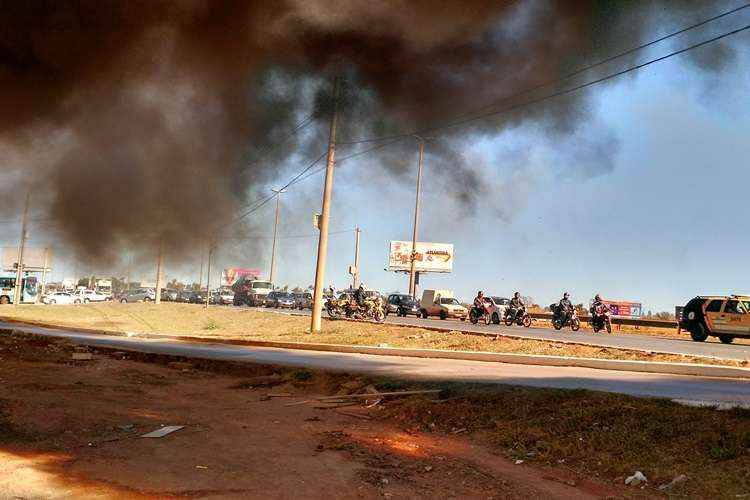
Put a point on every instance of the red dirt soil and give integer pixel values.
(70, 430)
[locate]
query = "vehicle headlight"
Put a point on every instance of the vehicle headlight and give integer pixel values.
(691, 315)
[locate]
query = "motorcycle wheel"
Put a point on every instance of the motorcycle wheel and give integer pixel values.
(556, 324)
(332, 313)
(379, 316)
(595, 328)
(527, 321)
(609, 327)
(575, 325)
(487, 319)
(473, 318)
(508, 321)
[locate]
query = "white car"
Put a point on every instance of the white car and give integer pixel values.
(61, 298)
(87, 296)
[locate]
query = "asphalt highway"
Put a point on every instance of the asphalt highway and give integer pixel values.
(698, 390)
(667, 345)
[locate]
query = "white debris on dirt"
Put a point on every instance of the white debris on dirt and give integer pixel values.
(682, 478)
(636, 479)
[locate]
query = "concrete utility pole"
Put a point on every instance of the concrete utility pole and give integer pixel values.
(412, 271)
(159, 271)
(44, 274)
(275, 231)
(356, 257)
(18, 295)
(200, 277)
(320, 269)
(208, 272)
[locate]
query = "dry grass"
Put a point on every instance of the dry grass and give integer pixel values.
(245, 324)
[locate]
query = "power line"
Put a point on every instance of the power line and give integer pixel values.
(260, 203)
(471, 118)
(258, 237)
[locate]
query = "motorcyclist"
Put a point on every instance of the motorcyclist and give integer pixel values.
(516, 305)
(565, 307)
(480, 303)
(359, 295)
(596, 303)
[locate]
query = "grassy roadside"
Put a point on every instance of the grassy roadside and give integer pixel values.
(599, 436)
(243, 324)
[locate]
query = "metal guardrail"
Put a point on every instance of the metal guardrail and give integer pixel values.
(658, 323)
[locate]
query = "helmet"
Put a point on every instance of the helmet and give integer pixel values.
(566, 295)
(597, 297)
(479, 292)
(516, 294)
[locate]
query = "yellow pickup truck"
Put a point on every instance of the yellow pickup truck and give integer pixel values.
(726, 317)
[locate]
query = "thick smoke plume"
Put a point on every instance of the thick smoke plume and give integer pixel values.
(141, 118)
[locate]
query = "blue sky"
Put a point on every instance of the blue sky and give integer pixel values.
(665, 221)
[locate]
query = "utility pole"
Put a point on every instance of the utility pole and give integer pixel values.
(127, 277)
(208, 272)
(200, 277)
(44, 274)
(320, 268)
(275, 230)
(18, 296)
(356, 257)
(159, 271)
(412, 271)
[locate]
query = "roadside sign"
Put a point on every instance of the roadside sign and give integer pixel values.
(429, 257)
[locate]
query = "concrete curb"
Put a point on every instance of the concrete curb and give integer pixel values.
(663, 368)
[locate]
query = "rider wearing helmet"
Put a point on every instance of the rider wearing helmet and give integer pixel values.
(565, 306)
(596, 303)
(359, 295)
(516, 305)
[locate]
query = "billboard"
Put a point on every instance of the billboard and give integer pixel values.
(33, 258)
(625, 309)
(230, 275)
(430, 257)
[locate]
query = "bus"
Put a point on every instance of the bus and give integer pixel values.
(8, 288)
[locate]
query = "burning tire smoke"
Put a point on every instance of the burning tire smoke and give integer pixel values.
(142, 118)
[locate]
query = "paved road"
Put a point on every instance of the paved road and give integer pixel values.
(699, 389)
(668, 345)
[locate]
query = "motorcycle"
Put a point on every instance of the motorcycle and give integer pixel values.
(558, 322)
(371, 310)
(601, 318)
(476, 313)
(521, 318)
(335, 308)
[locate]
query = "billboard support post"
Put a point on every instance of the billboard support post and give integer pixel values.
(44, 274)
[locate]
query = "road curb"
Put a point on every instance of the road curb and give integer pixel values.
(519, 336)
(663, 368)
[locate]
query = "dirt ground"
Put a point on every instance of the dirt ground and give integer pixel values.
(70, 429)
(236, 323)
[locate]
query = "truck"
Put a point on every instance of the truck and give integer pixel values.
(104, 287)
(251, 292)
(441, 303)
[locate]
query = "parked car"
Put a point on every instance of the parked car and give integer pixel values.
(61, 298)
(87, 296)
(442, 304)
(402, 301)
(726, 317)
(270, 299)
(286, 301)
(169, 294)
(303, 300)
(138, 295)
(183, 296)
(197, 297)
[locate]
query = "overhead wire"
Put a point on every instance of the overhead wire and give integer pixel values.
(475, 117)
